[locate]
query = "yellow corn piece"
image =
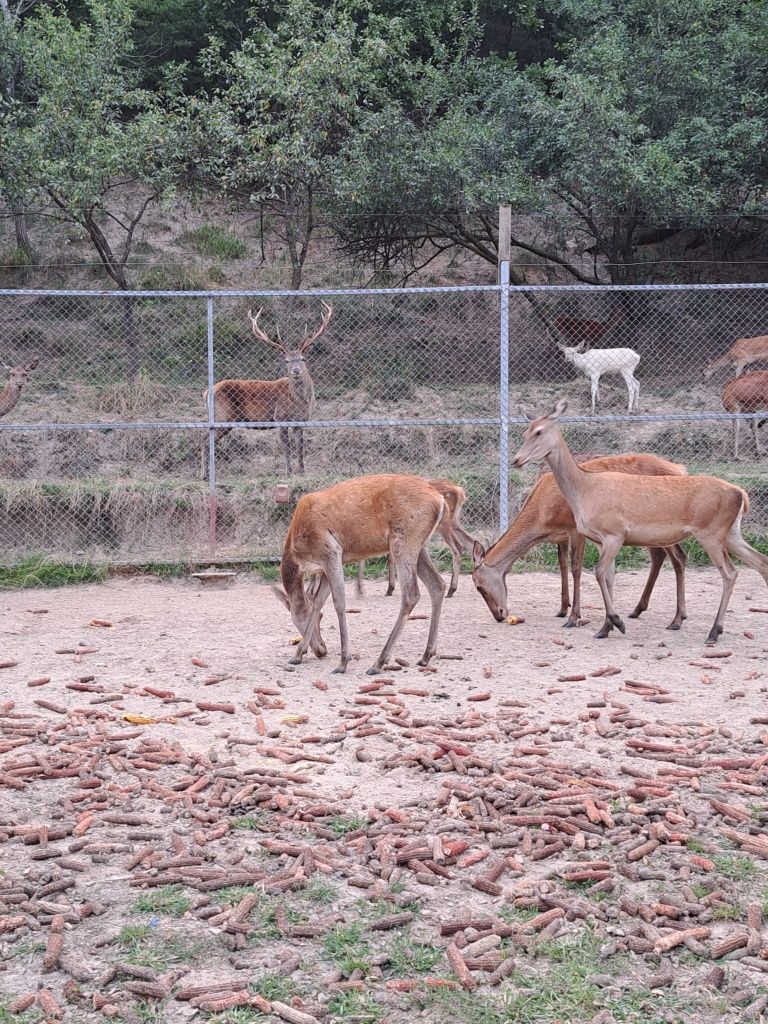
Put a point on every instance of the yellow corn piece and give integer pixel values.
(296, 640)
(139, 719)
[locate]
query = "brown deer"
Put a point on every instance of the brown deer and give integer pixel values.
(613, 509)
(363, 518)
(741, 354)
(545, 516)
(17, 378)
(289, 398)
(450, 529)
(585, 332)
(747, 394)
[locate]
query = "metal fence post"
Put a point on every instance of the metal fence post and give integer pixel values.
(503, 395)
(211, 433)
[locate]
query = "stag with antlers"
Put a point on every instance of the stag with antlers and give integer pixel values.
(290, 398)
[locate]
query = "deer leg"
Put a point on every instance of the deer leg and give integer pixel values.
(455, 565)
(433, 581)
(299, 433)
(595, 392)
(578, 543)
(609, 548)
(657, 560)
(565, 594)
(756, 424)
(390, 576)
(739, 548)
(318, 582)
(359, 579)
(312, 627)
(409, 595)
(678, 558)
(339, 596)
(736, 429)
(285, 441)
(728, 572)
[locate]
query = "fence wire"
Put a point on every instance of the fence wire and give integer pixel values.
(109, 450)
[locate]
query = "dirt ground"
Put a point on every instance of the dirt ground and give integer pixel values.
(318, 806)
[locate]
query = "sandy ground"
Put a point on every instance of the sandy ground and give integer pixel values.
(698, 708)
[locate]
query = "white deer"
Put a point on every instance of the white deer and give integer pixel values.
(597, 361)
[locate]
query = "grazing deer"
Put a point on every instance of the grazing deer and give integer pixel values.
(450, 529)
(741, 353)
(594, 362)
(747, 394)
(613, 509)
(546, 516)
(289, 398)
(363, 518)
(17, 378)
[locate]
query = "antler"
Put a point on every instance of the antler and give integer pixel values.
(326, 319)
(259, 333)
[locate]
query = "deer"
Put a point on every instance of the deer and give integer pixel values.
(594, 362)
(369, 516)
(590, 332)
(450, 529)
(747, 394)
(261, 401)
(17, 378)
(612, 509)
(741, 354)
(545, 516)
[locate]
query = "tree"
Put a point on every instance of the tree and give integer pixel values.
(11, 71)
(654, 119)
(91, 144)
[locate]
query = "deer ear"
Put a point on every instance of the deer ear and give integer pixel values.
(478, 553)
(281, 595)
(33, 364)
(527, 413)
(559, 409)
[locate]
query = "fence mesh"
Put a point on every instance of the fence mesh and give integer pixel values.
(104, 442)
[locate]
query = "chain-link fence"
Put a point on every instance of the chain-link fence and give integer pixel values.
(109, 450)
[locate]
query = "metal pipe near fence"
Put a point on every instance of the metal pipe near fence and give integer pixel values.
(504, 396)
(211, 438)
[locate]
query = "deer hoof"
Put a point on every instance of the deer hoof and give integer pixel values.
(674, 625)
(295, 661)
(714, 633)
(339, 670)
(375, 670)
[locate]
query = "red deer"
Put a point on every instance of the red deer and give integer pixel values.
(741, 353)
(613, 509)
(547, 516)
(261, 401)
(367, 517)
(747, 394)
(17, 378)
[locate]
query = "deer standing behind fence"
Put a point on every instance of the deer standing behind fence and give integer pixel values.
(17, 378)
(261, 401)
(747, 394)
(741, 354)
(594, 362)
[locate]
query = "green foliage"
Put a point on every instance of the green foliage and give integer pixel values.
(347, 947)
(740, 869)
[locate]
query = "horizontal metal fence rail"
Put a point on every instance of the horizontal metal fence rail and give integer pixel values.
(111, 452)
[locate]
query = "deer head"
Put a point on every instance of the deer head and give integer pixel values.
(490, 583)
(541, 437)
(294, 357)
(17, 375)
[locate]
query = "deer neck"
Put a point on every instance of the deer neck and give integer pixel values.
(9, 396)
(293, 584)
(525, 531)
(569, 477)
(302, 389)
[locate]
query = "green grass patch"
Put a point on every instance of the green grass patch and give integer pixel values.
(727, 913)
(274, 986)
(39, 571)
(168, 899)
(216, 242)
(739, 869)
(407, 957)
(18, 950)
(695, 846)
(232, 894)
(320, 892)
(345, 823)
(30, 1016)
(354, 1006)
(141, 945)
(237, 1015)
(249, 823)
(348, 948)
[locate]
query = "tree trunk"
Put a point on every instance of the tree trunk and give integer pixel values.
(116, 271)
(23, 241)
